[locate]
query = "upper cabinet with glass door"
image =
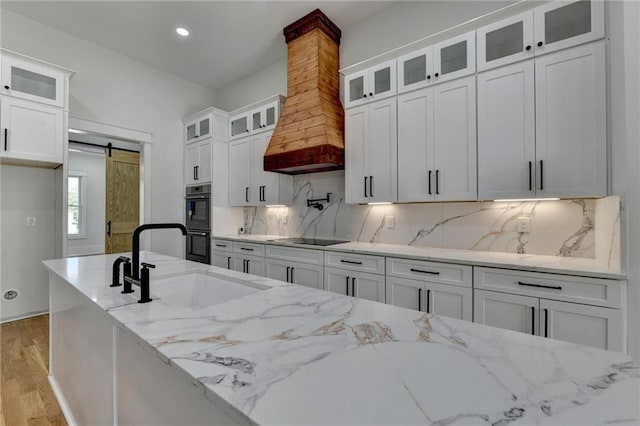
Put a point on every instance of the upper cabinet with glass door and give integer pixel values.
(34, 80)
(548, 28)
(415, 70)
(454, 58)
(559, 25)
(265, 117)
(258, 117)
(372, 84)
(210, 122)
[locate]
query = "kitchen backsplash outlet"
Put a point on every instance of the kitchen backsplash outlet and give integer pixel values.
(560, 228)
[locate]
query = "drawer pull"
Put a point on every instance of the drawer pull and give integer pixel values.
(246, 249)
(552, 287)
(420, 299)
(352, 262)
(425, 272)
(533, 321)
(221, 245)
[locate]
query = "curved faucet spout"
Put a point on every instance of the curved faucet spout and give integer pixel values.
(135, 243)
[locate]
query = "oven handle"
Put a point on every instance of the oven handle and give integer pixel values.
(197, 197)
(198, 234)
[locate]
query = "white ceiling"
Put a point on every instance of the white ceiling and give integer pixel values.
(228, 40)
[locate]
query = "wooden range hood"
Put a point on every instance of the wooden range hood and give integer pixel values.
(309, 136)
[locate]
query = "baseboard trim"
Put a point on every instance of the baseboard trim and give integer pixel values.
(64, 407)
(24, 316)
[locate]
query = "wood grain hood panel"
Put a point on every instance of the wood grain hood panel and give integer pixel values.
(309, 136)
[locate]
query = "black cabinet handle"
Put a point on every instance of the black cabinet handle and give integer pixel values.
(546, 323)
(247, 130)
(109, 228)
(6, 138)
(347, 286)
(422, 271)
(248, 265)
(7, 87)
(288, 268)
(293, 276)
(365, 186)
(533, 320)
(541, 175)
(436, 74)
(530, 183)
(528, 48)
(228, 262)
(437, 182)
(353, 287)
(364, 96)
(429, 183)
(420, 299)
(429, 77)
(221, 245)
(428, 300)
(197, 172)
(371, 186)
(540, 44)
(370, 94)
(351, 262)
(246, 249)
(246, 194)
(194, 172)
(552, 287)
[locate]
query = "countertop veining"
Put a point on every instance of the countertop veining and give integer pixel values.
(525, 262)
(297, 355)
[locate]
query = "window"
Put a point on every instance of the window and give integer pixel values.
(76, 215)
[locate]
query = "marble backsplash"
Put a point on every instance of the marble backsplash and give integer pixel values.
(574, 228)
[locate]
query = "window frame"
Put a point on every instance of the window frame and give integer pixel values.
(82, 204)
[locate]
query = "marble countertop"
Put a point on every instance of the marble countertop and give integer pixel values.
(524, 262)
(297, 355)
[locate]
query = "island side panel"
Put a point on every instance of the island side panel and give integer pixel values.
(81, 356)
(150, 392)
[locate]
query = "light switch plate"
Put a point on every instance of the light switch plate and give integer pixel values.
(389, 222)
(524, 224)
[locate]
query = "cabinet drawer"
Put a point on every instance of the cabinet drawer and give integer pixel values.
(314, 257)
(435, 272)
(354, 262)
(248, 249)
(590, 291)
(222, 245)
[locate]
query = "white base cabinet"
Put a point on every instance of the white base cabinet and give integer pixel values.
(253, 265)
(296, 273)
(223, 259)
(508, 311)
(355, 284)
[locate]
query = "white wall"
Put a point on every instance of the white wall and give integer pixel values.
(26, 192)
(94, 166)
(392, 27)
(121, 91)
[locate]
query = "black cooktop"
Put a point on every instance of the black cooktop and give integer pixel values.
(311, 241)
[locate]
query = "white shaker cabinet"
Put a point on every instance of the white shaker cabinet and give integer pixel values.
(508, 311)
(239, 175)
(415, 70)
(437, 143)
(265, 117)
(355, 284)
(31, 132)
(373, 84)
(454, 58)
(223, 259)
(32, 80)
(198, 162)
(571, 148)
(296, 273)
(506, 41)
(506, 132)
(370, 152)
(253, 265)
(559, 25)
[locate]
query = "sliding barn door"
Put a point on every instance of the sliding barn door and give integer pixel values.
(123, 200)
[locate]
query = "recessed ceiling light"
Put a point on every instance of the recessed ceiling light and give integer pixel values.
(182, 31)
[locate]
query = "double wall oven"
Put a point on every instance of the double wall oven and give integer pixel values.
(198, 223)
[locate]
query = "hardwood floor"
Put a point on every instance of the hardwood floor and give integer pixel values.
(26, 396)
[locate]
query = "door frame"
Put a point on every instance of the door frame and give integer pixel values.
(142, 138)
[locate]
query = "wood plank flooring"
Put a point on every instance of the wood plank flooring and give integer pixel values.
(26, 396)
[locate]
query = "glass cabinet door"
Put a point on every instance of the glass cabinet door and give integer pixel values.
(562, 25)
(271, 116)
(355, 89)
(191, 131)
(256, 120)
(240, 126)
(415, 70)
(505, 42)
(31, 81)
(383, 80)
(454, 58)
(204, 127)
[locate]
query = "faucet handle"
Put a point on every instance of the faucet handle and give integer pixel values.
(147, 265)
(115, 280)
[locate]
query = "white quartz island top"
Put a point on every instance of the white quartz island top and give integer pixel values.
(524, 262)
(295, 355)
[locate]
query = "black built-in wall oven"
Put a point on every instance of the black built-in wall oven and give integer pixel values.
(198, 223)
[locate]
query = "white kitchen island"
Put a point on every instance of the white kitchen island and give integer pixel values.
(287, 354)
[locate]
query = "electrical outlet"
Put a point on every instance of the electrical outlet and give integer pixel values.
(285, 219)
(31, 221)
(390, 222)
(524, 224)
